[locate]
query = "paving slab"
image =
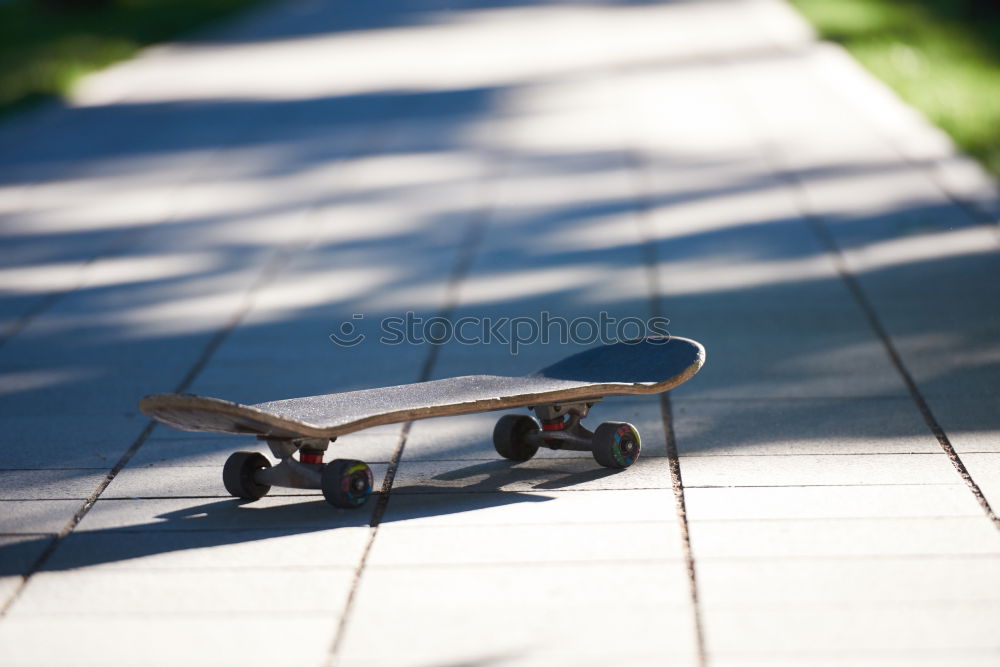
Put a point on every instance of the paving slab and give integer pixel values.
(571, 474)
(848, 538)
(37, 516)
(820, 357)
(902, 628)
(812, 470)
(204, 217)
(780, 583)
(958, 658)
(444, 546)
(275, 549)
(800, 426)
(20, 553)
(317, 590)
(517, 507)
(68, 441)
(830, 502)
(62, 484)
(893, 223)
(659, 618)
(161, 639)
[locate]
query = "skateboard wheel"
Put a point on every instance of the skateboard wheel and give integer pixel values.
(510, 437)
(238, 475)
(616, 444)
(347, 483)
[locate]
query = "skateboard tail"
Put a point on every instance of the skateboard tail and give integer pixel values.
(659, 362)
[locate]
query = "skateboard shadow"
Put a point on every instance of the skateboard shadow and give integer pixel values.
(219, 523)
(497, 476)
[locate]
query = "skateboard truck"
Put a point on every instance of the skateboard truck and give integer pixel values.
(613, 444)
(344, 482)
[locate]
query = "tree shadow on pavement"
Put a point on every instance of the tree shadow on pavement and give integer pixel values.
(390, 174)
(219, 523)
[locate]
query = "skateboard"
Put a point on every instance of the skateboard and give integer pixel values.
(560, 396)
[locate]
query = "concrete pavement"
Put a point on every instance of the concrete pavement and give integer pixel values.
(202, 218)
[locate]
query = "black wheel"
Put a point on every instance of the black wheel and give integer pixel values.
(616, 444)
(347, 483)
(510, 437)
(238, 475)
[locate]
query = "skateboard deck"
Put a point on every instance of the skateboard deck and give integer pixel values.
(647, 366)
(560, 395)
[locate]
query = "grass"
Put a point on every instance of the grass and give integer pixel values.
(45, 47)
(941, 56)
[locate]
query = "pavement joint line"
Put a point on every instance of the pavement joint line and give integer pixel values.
(677, 484)
(848, 604)
(791, 454)
(497, 460)
(925, 166)
(77, 517)
(663, 509)
(281, 257)
(447, 491)
(122, 241)
(293, 529)
(553, 563)
(890, 348)
(19, 323)
(812, 519)
(129, 237)
(166, 569)
(473, 237)
(181, 613)
(772, 156)
(533, 524)
(818, 486)
(341, 627)
(772, 657)
(460, 491)
(444, 491)
(642, 181)
(274, 266)
(2, 470)
(42, 500)
(812, 558)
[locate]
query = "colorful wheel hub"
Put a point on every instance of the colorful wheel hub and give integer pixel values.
(356, 483)
(627, 445)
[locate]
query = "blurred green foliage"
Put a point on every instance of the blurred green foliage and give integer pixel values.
(45, 45)
(941, 56)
